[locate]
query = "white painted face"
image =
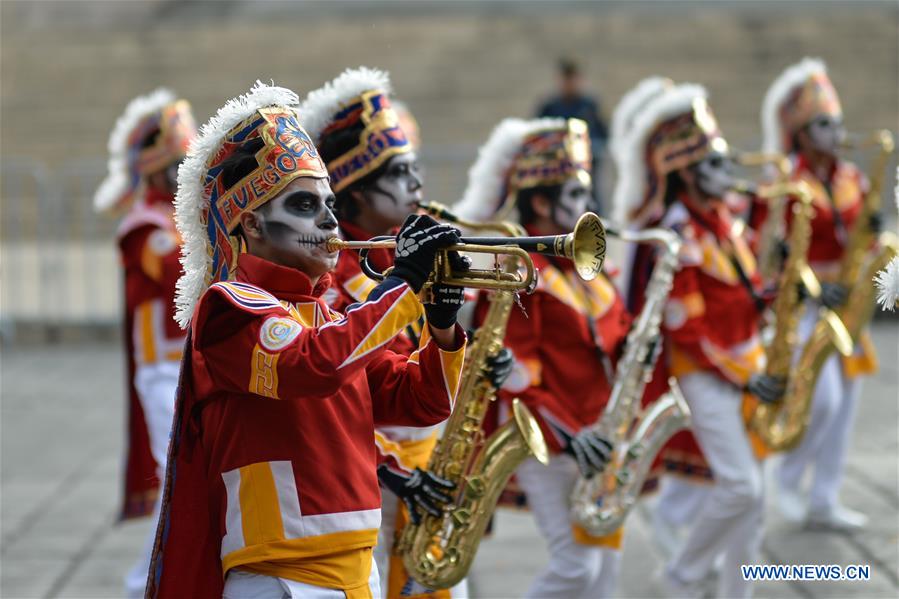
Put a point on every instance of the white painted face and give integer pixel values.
(714, 174)
(297, 222)
(826, 133)
(574, 198)
(397, 192)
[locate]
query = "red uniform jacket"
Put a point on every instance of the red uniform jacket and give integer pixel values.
(272, 455)
(568, 337)
(837, 203)
(149, 247)
(711, 318)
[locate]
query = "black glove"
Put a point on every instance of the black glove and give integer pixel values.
(833, 295)
(591, 452)
(875, 222)
(418, 241)
(499, 367)
(446, 301)
(419, 491)
(768, 389)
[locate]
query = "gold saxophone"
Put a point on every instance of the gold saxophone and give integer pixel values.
(438, 552)
(600, 504)
(773, 229)
(782, 428)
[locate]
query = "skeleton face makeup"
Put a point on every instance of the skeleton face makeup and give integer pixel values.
(296, 223)
(396, 193)
(714, 174)
(826, 133)
(574, 198)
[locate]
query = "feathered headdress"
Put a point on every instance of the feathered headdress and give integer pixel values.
(130, 156)
(207, 212)
(520, 154)
(674, 130)
(630, 105)
(355, 99)
(887, 280)
(797, 96)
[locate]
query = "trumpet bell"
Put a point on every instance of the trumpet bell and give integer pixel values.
(588, 246)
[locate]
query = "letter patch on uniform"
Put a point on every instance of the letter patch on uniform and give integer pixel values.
(278, 332)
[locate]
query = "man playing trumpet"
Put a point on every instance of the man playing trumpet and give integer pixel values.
(271, 486)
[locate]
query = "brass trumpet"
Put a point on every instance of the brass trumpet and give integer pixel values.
(585, 246)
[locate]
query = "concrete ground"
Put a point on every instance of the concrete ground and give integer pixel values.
(62, 438)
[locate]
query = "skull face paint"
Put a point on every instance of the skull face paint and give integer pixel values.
(297, 222)
(714, 174)
(572, 203)
(396, 193)
(826, 133)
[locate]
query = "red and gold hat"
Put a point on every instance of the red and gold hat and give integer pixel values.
(207, 212)
(522, 154)
(153, 133)
(357, 100)
(801, 93)
(675, 130)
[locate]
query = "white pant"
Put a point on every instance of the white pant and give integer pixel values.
(246, 585)
(574, 570)
(731, 520)
(156, 386)
(681, 500)
(386, 536)
(826, 441)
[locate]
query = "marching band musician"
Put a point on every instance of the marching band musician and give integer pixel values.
(684, 475)
(678, 174)
(146, 145)
(271, 488)
(377, 182)
(566, 339)
(802, 118)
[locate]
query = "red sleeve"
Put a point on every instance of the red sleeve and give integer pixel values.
(524, 337)
(420, 388)
(252, 344)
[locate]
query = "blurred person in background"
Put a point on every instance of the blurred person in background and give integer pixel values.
(802, 118)
(677, 176)
(271, 487)
(148, 142)
(370, 151)
(572, 102)
(566, 338)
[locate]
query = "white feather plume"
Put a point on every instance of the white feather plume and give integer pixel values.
(191, 198)
(487, 176)
(777, 94)
(118, 178)
(628, 107)
(320, 106)
(631, 184)
(887, 282)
